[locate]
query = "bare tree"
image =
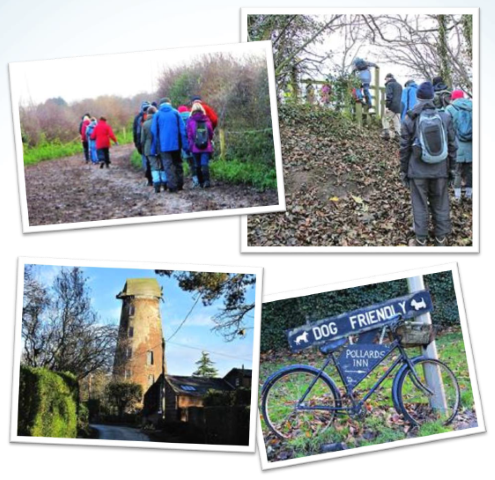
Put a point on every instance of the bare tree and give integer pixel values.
(60, 329)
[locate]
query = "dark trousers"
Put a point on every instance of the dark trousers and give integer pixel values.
(86, 150)
(463, 171)
(172, 164)
(430, 194)
(104, 156)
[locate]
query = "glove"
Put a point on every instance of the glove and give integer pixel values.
(404, 179)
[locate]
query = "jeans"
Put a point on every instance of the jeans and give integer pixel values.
(93, 152)
(202, 161)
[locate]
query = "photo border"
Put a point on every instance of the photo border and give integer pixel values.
(475, 247)
(22, 261)
(481, 428)
(230, 47)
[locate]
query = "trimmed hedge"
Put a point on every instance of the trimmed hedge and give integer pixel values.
(48, 403)
(284, 314)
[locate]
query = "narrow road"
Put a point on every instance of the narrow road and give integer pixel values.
(67, 190)
(116, 432)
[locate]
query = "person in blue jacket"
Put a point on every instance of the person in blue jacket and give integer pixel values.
(169, 138)
(409, 97)
(362, 67)
(93, 155)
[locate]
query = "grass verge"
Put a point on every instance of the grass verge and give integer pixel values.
(234, 171)
(53, 150)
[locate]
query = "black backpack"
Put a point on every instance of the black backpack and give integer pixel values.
(201, 137)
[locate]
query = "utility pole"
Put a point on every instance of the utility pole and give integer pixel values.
(432, 373)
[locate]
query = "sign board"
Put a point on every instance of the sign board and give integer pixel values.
(358, 321)
(356, 361)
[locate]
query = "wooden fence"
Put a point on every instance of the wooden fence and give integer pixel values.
(359, 112)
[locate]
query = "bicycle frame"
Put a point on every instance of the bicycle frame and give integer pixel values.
(356, 407)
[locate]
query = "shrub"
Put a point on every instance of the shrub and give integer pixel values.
(238, 397)
(48, 404)
(124, 396)
(285, 314)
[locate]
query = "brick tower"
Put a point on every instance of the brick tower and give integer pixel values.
(139, 356)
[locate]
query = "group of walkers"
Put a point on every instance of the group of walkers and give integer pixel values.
(165, 137)
(434, 126)
(96, 136)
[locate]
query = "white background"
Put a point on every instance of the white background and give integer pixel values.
(36, 30)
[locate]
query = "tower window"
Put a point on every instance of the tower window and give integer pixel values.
(127, 374)
(150, 358)
(131, 332)
(128, 352)
(131, 309)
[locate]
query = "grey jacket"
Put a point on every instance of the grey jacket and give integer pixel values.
(393, 96)
(410, 158)
(146, 136)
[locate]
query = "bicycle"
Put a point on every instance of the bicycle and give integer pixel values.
(302, 399)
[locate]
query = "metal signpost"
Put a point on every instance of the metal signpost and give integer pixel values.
(432, 373)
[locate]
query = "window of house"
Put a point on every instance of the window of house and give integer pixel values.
(237, 382)
(188, 388)
(150, 358)
(151, 380)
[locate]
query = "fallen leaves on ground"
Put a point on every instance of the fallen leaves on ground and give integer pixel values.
(342, 188)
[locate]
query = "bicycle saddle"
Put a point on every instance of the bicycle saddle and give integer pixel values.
(332, 346)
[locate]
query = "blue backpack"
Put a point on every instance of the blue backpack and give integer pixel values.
(464, 122)
(431, 136)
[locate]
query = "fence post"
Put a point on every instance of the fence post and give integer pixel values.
(432, 373)
(359, 114)
(377, 89)
(221, 134)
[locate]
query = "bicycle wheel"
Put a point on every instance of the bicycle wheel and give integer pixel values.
(281, 406)
(419, 406)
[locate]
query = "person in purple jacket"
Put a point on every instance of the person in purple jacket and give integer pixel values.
(199, 135)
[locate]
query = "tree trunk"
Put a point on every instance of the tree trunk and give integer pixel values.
(467, 30)
(443, 54)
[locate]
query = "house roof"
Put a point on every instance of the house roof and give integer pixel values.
(196, 386)
(141, 286)
(245, 372)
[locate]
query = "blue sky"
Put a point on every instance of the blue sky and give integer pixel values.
(194, 336)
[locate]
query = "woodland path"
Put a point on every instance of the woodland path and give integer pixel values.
(67, 190)
(115, 432)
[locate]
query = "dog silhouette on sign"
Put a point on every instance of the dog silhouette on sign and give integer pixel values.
(418, 305)
(302, 338)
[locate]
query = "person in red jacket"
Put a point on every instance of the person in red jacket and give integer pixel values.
(103, 133)
(85, 121)
(210, 113)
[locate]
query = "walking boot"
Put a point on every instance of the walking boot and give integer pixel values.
(205, 171)
(385, 134)
(102, 165)
(195, 182)
(440, 242)
(157, 187)
(164, 185)
(417, 242)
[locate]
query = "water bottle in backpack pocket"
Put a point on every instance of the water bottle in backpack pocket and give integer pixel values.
(201, 137)
(431, 137)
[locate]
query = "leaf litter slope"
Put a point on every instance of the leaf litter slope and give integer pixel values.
(67, 191)
(342, 188)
